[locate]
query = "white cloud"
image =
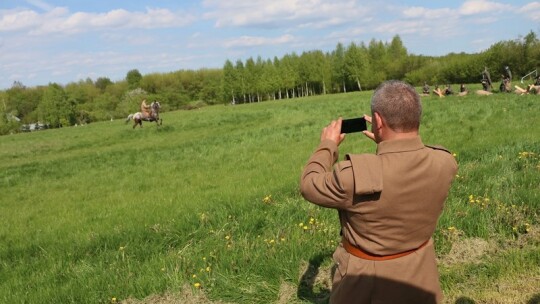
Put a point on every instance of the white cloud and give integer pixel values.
(474, 7)
(250, 41)
(282, 13)
(425, 13)
(15, 20)
(60, 20)
(41, 4)
(531, 11)
(407, 27)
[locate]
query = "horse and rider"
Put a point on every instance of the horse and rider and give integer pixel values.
(147, 113)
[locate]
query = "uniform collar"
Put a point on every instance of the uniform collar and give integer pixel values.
(400, 145)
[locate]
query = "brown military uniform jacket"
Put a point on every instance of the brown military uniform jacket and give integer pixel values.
(387, 203)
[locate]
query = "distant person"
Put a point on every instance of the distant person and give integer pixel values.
(388, 203)
(463, 90)
(486, 80)
(505, 84)
(448, 90)
(485, 85)
(537, 82)
(425, 88)
(145, 109)
(438, 91)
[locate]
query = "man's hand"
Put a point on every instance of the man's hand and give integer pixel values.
(366, 132)
(333, 132)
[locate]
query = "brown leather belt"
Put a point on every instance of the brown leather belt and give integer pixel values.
(357, 252)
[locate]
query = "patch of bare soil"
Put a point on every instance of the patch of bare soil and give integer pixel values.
(186, 296)
(510, 290)
(517, 288)
(468, 250)
(287, 293)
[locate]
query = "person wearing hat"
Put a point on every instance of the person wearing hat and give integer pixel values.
(388, 203)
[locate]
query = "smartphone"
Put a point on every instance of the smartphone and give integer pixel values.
(353, 125)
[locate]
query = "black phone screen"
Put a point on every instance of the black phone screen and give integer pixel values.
(353, 125)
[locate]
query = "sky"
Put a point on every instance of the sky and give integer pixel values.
(62, 41)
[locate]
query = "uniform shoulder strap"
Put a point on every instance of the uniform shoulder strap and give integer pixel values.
(440, 148)
(367, 172)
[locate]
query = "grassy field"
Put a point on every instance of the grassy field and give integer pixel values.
(206, 208)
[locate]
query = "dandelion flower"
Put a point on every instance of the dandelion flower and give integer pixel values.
(228, 237)
(197, 285)
(208, 269)
(113, 300)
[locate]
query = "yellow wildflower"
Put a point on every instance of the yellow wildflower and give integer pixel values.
(197, 285)
(267, 199)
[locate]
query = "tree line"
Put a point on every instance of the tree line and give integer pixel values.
(353, 67)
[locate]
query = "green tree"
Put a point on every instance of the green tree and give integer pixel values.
(102, 83)
(397, 59)
(241, 80)
(55, 109)
(22, 101)
(339, 74)
(230, 81)
(357, 65)
(211, 87)
(378, 62)
(133, 79)
(289, 74)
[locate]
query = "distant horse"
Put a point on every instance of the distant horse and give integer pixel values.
(153, 115)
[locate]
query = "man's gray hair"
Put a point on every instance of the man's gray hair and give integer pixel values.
(399, 104)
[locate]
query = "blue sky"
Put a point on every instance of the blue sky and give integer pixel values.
(43, 41)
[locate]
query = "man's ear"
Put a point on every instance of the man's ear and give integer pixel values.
(380, 121)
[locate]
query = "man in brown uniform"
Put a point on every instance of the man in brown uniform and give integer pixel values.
(388, 203)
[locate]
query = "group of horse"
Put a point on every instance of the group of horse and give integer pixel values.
(147, 113)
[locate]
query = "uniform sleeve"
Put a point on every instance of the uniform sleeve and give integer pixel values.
(324, 184)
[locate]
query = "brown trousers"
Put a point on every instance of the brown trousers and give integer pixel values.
(410, 279)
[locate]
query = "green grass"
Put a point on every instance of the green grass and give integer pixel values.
(103, 211)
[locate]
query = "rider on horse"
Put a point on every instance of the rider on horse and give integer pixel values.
(145, 109)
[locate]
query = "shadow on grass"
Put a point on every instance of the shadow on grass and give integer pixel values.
(465, 300)
(307, 288)
(535, 299)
